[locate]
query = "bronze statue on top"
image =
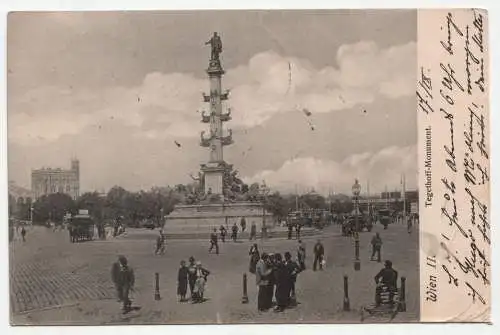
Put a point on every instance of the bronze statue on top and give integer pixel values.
(216, 44)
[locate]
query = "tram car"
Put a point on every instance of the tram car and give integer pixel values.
(81, 227)
(385, 217)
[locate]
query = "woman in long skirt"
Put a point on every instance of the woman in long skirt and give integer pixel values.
(254, 258)
(182, 281)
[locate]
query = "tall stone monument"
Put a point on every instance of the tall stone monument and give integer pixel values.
(213, 205)
(213, 171)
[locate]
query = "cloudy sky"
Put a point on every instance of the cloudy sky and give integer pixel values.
(117, 89)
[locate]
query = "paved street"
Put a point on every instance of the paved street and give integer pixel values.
(56, 282)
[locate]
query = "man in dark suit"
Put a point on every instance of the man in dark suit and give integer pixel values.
(319, 252)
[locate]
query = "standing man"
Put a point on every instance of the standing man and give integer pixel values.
(223, 233)
(263, 272)
(298, 226)
(23, 234)
(214, 242)
(319, 252)
(290, 230)
(301, 256)
(376, 246)
(243, 224)
(253, 231)
(234, 234)
(123, 277)
(293, 270)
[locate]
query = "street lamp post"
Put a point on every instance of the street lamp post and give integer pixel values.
(356, 189)
(264, 191)
(162, 223)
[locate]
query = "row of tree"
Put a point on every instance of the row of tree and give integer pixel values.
(134, 207)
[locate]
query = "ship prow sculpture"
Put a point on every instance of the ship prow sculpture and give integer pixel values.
(220, 196)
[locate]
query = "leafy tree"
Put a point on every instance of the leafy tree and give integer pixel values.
(277, 206)
(114, 205)
(53, 207)
(92, 202)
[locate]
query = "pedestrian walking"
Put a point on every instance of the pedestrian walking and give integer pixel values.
(160, 244)
(23, 234)
(254, 258)
(298, 227)
(200, 284)
(191, 275)
(234, 234)
(319, 253)
(223, 233)
(214, 242)
(123, 277)
(376, 247)
(182, 281)
(301, 255)
(290, 230)
(262, 274)
(253, 231)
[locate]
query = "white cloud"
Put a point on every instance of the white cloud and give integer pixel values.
(381, 169)
(260, 90)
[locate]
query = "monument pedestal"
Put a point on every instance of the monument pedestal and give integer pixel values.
(213, 174)
(206, 217)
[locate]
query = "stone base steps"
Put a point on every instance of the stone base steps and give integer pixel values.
(180, 234)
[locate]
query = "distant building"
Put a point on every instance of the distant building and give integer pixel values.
(48, 181)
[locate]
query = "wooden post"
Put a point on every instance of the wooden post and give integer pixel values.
(244, 299)
(157, 286)
(402, 295)
(347, 305)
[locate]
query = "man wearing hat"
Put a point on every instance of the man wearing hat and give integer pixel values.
(262, 274)
(387, 277)
(123, 277)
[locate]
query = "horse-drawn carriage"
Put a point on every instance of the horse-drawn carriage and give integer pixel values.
(81, 228)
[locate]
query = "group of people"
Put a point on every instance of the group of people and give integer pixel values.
(276, 276)
(298, 228)
(193, 275)
(214, 237)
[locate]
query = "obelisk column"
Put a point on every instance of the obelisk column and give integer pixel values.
(215, 73)
(214, 170)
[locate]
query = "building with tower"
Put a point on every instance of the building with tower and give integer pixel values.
(46, 181)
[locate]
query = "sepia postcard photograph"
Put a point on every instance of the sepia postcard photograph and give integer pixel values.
(236, 167)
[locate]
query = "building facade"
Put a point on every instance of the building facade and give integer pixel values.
(48, 181)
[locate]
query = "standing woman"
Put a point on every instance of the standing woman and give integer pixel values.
(182, 281)
(191, 275)
(254, 258)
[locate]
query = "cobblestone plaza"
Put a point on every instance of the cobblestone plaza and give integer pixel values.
(55, 282)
